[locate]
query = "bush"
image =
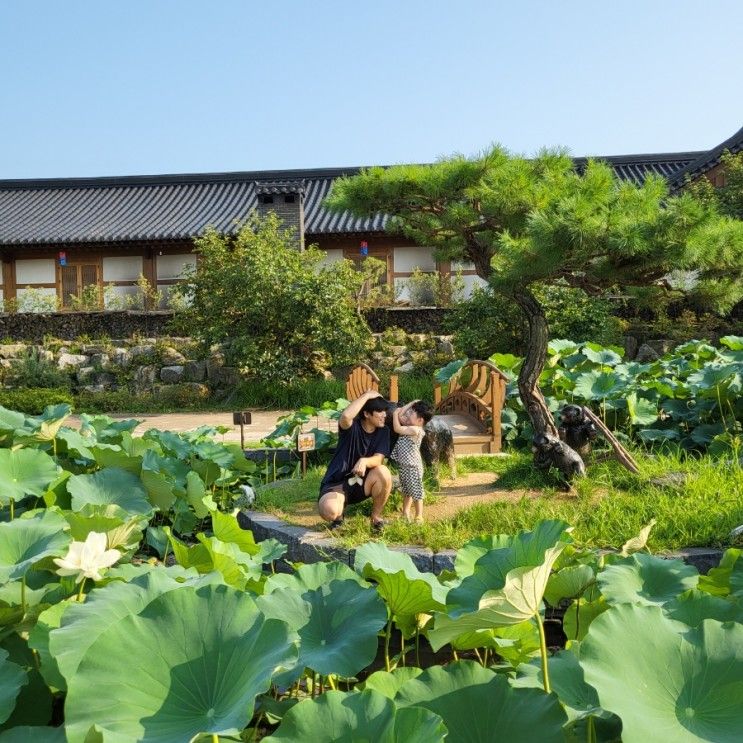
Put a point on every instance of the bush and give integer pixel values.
(285, 314)
(35, 371)
(488, 323)
(33, 401)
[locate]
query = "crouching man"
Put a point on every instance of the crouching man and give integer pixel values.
(357, 471)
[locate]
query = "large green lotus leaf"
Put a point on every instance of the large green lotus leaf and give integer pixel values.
(227, 529)
(595, 385)
(45, 427)
(603, 356)
(312, 576)
(579, 699)
(33, 705)
(195, 556)
(112, 455)
(337, 627)
(645, 579)
(238, 568)
(110, 486)
(518, 643)
(338, 717)
(525, 550)
(478, 705)
(10, 420)
(389, 682)
(170, 442)
(56, 494)
(25, 472)
(693, 607)
(38, 640)
(406, 590)
(580, 614)
(568, 583)
(12, 678)
(123, 531)
(195, 493)
(727, 577)
(29, 539)
(33, 734)
(470, 553)
(75, 445)
(191, 661)
(667, 681)
(83, 623)
(105, 428)
(642, 412)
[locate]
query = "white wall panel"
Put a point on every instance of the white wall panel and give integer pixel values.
(35, 271)
(409, 258)
(171, 266)
(116, 297)
(332, 256)
(122, 268)
(470, 282)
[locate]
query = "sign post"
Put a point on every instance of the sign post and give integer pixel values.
(305, 443)
(242, 418)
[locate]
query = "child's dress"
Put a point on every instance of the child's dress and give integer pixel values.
(407, 454)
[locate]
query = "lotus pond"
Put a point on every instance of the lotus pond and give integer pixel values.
(134, 608)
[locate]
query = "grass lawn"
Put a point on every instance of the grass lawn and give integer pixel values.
(699, 506)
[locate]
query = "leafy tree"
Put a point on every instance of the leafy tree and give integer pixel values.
(728, 198)
(284, 313)
(533, 222)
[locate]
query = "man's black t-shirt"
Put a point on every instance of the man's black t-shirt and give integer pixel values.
(353, 443)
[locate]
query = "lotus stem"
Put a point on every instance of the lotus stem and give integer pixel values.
(543, 653)
(591, 730)
(455, 654)
(23, 594)
(215, 738)
(417, 647)
(577, 618)
(387, 635)
(479, 657)
(331, 683)
(80, 592)
(12, 509)
(487, 656)
(402, 648)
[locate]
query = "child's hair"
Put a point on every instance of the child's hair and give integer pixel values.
(423, 409)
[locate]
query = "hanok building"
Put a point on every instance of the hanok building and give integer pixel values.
(59, 236)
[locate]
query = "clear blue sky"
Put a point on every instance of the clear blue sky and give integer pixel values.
(114, 87)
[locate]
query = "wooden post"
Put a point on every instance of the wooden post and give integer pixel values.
(394, 393)
(9, 285)
(495, 399)
(149, 271)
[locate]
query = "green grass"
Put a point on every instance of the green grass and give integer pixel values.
(611, 505)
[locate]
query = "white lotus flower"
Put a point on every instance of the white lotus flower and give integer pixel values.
(86, 559)
(355, 480)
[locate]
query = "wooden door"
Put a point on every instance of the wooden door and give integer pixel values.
(74, 278)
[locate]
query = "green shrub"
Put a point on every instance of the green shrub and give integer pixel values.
(33, 401)
(35, 371)
(488, 323)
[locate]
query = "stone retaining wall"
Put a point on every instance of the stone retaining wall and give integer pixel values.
(306, 545)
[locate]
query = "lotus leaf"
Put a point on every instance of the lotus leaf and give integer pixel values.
(578, 698)
(38, 640)
(33, 705)
(733, 342)
(339, 635)
(470, 553)
(29, 539)
(406, 590)
(478, 705)
(227, 528)
(645, 579)
(112, 455)
(602, 356)
(642, 412)
(312, 576)
(191, 661)
(83, 623)
(595, 385)
(106, 429)
(238, 568)
(727, 577)
(693, 607)
(12, 678)
(337, 717)
(687, 689)
(24, 472)
(195, 493)
(33, 734)
(389, 682)
(568, 583)
(74, 444)
(579, 616)
(110, 486)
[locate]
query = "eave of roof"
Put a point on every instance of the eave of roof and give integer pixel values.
(707, 160)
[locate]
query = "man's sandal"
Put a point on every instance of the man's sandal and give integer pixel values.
(335, 524)
(377, 526)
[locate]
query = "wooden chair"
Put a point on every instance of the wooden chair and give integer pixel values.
(472, 407)
(362, 378)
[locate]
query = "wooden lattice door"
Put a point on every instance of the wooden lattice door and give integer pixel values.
(74, 278)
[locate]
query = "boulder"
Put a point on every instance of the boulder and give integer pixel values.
(121, 356)
(141, 350)
(100, 360)
(12, 350)
(213, 366)
(171, 374)
(171, 357)
(144, 378)
(646, 354)
(224, 377)
(446, 346)
(71, 359)
(630, 346)
(404, 368)
(194, 371)
(398, 350)
(83, 372)
(44, 354)
(103, 379)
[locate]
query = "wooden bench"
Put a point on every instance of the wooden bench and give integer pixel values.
(362, 379)
(472, 407)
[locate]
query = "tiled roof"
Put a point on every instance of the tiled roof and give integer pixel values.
(173, 207)
(707, 160)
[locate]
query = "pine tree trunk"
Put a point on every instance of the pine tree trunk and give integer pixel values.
(536, 355)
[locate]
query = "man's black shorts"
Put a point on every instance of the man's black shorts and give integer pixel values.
(353, 493)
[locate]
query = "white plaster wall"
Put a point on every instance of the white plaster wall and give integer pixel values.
(401, 290)
(35, 271)
(171, 266)
(122, 268)
(331, 256)
(466, 266)
(115, 297)
(470, 282)
(409, 258)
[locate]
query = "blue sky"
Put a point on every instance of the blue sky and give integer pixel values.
(116, 87)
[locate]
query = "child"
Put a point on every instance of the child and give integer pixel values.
(408, 423)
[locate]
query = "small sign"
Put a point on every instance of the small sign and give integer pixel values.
(306, 442)
(241, 418)
(364, 248)
(62, 258)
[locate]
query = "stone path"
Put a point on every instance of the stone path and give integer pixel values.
(264, 421)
